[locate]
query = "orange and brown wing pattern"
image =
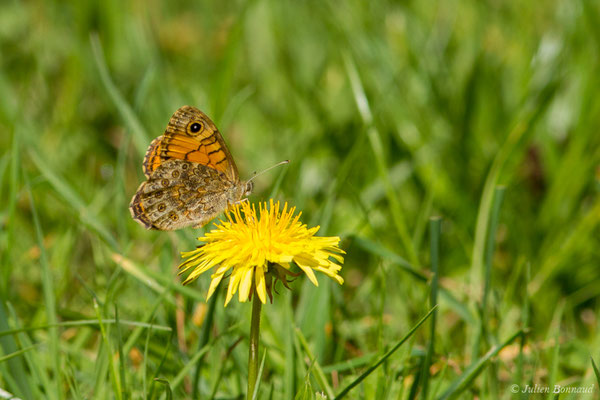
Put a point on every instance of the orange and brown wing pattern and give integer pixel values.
(191, 176)
(152, 159)
(181, 194)
(192, 136)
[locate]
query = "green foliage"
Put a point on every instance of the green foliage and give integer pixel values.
(484, 114)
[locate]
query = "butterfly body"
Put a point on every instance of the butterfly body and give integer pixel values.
(192, 177)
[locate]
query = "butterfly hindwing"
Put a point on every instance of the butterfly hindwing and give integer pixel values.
(180, 194)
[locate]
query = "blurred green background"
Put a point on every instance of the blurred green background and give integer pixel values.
(486, 114)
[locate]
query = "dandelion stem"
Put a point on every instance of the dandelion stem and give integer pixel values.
(253, 349)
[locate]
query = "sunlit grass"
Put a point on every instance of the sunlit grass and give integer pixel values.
(484, 115)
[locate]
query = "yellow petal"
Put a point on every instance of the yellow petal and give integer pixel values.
(216, 279)
(309, 272)
(234, 281)
(260, 284)
(246, 284)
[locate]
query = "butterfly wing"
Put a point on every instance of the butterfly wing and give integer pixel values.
(191, 136)
(191, 175)
(152, 159)
(182, 193)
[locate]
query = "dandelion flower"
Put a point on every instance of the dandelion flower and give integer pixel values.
(259, 247)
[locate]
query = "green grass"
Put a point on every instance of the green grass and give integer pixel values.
(485, 115)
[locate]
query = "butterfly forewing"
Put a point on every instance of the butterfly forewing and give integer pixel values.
(206, 146)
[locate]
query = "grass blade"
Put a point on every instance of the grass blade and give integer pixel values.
(175, 382)
(22, 351)
(554, 336)
(72, 198)
(122, 366)
(222, 367)
(377, 147)
(259, 375)
(204, 336)
(14, 371)
(158, 369)
(490, 247)
(168, 391)
(372, 368)
(487, 268)
(319, 375)
(596, 372)
(86, 322)
(485, 204)
(140, 138)
(112, 371)
(421, 276)
(48, 290)
(156, 281)
(289, 353)
(463, 381)
(525, 323)
(435, 229)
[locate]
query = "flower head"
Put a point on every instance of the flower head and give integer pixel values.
(257, 247)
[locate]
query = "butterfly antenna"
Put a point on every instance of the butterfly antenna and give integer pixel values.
(268, 169)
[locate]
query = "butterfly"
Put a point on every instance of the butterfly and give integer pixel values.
(191, 176)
